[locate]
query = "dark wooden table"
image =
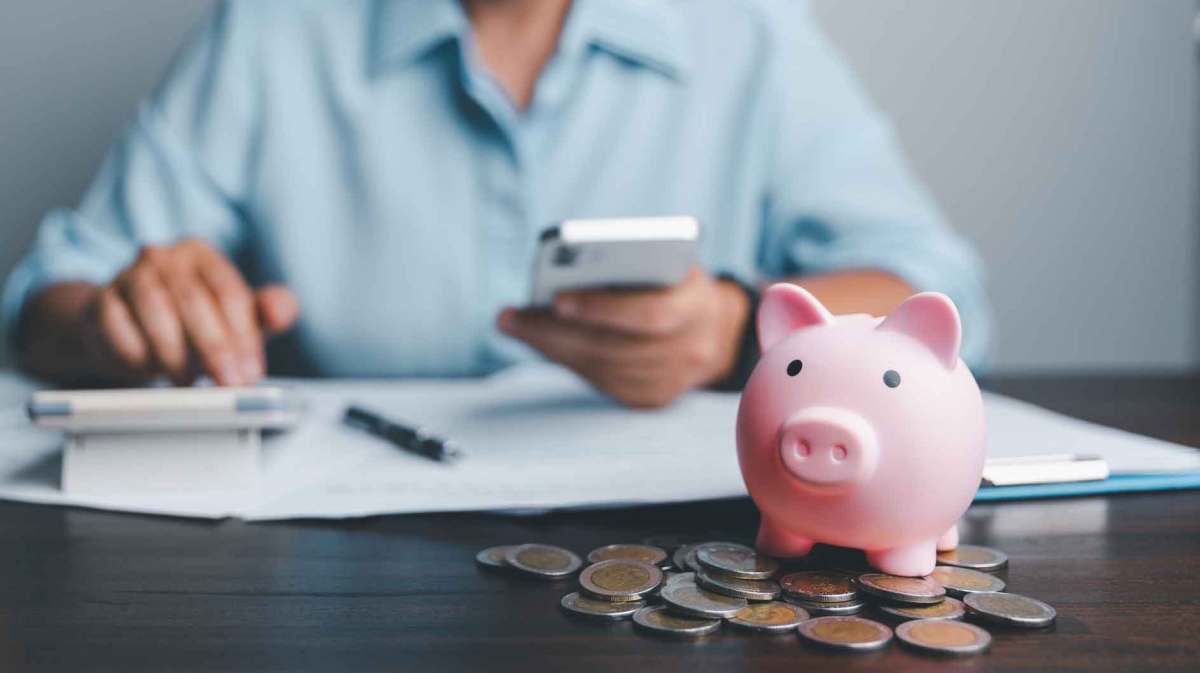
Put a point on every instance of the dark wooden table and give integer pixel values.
(90, 591)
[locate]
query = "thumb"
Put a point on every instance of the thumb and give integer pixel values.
(277, 308)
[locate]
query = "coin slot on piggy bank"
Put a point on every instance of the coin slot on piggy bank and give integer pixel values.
(859, 431)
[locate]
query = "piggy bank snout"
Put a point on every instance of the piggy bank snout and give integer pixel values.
(827, 448)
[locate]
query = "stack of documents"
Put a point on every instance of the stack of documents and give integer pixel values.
(535, 437)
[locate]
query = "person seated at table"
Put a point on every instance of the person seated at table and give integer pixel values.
(368, 179)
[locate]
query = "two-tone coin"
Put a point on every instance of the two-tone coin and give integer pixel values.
(822, 586)
(620, 580)
(658, 620)
(1010, 609)
(631, 552)
(941, 636)
(543, 561)
(959, 582)
(596, 608)
(973, 557)
(688, 599)
(949, 608)
(493, 557)
(826, 609)
(845, 633)
(736, 560)
(772, 617)
(920, 590)
(753, 590)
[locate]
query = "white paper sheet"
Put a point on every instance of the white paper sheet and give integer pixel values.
(534, 437)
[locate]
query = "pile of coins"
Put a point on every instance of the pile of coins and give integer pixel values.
(671, 587)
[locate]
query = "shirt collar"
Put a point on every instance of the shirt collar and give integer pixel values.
(645, 32)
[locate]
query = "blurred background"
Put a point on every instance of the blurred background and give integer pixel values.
(1059, 135)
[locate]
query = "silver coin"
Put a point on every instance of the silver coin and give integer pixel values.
(543, 561)
(633, 552)
(679, 558)
(899, 589)
(657, 619)
(673, 578)
(1010, 609)
(772, 617)
(598, 608)
(974, 557)
(959, 582)
(942, 636)
(688, 599)
(826, 586)
(754, 590)
(819, 609)
(620, 579)
(737, 561)
(846, 633)
(949, 608)
(692, 559)
(493, 557)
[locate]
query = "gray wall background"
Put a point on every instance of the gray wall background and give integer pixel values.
(1059, 135)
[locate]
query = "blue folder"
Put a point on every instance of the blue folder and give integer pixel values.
(1119, 483)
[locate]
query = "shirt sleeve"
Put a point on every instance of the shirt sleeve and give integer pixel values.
(179, 170)
(841, 195)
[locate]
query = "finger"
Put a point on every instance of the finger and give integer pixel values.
(278, 308)
(118, 334)
(151, 305)
(658, 311)
(204, 325)
(237, 305)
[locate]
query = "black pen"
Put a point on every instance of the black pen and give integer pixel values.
(408, 438)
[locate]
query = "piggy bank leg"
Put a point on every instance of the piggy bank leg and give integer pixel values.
(915, 560)
(949, 539)
(775, 541)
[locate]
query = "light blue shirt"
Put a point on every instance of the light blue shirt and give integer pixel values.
(357, 151)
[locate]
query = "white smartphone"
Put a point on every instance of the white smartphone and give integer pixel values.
(613, 253)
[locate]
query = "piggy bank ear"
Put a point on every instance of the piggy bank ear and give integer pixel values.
(784, 309)
(932, 319)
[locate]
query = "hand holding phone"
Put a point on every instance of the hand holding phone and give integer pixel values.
(644, 343)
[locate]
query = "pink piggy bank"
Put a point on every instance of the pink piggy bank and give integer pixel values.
(860, 432)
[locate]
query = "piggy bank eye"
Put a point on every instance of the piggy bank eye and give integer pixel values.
(794, 367)
(891, 378)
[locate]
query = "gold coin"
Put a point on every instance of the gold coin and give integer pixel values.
(901, 589)
(949, 608)
(632, 552)
(818, 585)
(943, 636)
(850, 633)
(961, 581)
(620, 579)
(657, 619)
(541, 560)
(769, 617)
(973, 556)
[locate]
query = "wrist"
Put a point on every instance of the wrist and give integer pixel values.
(739, 351)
